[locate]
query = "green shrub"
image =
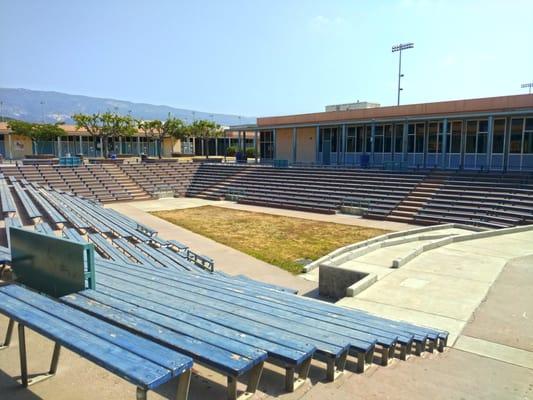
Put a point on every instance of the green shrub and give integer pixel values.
(250, 152)
(231, 151)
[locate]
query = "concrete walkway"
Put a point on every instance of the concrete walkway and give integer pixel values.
(443, 287)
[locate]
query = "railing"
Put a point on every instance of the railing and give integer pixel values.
(234, 194)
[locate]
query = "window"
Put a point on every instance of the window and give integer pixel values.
(350, 139)
(528, 137)
(410, 138)
(498, 136)
(360, 137)
(334, 139)
(483, 127)
(387, 139)
(398, 138)
(455, 139)
(515, 144)
(378, 139)
(419, 142)
(433, 132)
(266, 145)
(471, 131)
(368, 139)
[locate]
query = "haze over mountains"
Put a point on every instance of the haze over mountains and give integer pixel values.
(37, 106)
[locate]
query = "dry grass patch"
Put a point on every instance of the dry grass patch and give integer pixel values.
(274, 239)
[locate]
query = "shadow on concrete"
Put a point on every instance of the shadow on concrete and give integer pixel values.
(11, 389)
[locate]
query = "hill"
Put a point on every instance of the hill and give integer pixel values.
(36, 106)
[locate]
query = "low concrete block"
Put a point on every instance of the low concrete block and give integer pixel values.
(333, 281)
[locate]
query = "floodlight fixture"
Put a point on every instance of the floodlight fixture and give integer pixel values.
(527, 85)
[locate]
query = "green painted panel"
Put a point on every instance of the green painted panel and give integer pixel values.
(51, 265)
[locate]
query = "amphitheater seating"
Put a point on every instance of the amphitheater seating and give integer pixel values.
(163, 291)
(102, 182)
(142, 362)
(490, 200)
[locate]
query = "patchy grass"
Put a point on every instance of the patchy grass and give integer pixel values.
(274, 239)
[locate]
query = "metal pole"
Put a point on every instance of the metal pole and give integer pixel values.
(399, 76)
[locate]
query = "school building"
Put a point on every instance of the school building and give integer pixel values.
(493, 133)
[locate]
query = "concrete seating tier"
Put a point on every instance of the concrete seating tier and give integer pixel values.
(101, 182)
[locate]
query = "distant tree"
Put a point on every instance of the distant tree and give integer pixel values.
(204, 130)
(38, 133)
(172, 127)
(105, 126)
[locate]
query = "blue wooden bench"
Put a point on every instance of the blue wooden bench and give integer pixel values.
(134, 252)
(331, 347)
(137, 360)
(43, 227)
(31, 210)
(72, 234)
(107, 248)
(52, 213)
(6, 198)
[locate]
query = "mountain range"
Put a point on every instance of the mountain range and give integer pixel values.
(39, 106)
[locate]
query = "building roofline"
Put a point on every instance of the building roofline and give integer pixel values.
(442, 108)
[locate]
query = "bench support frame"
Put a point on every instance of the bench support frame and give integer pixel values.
(9, 334)
(253, 381)
(26, 381)
(292, 383)
(184, 380)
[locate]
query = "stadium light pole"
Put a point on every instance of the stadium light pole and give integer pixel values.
(42, 111)
(399, 48)
(527, 85)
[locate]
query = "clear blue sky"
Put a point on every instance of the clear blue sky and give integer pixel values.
(266, 57)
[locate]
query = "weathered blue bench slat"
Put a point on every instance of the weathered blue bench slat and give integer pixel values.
(291, 355)
(139, 361)
(331, 348)
(217, 358)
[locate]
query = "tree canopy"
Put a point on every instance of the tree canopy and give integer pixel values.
(36, 131)
(204, 130)
(106, 125)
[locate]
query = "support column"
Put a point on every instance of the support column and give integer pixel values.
(59, 147)
(81, 144)
(225, 144)
(294, 140)
(101, 148)
(10, 145)
(372, 140)
(490, 139)
(255, 146)
(444, 142)
(120, 145)
(138, 145)
(405, 142)
(343, 143)
(274, 138)
(317, 146)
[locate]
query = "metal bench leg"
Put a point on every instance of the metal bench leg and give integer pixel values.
(24, 364)
(291, 384)
(253, 382)
(442, 344)
(419, 347)
(404, 350)
(141, 394)
(431, 345)
(335, 367)
(184, 381)
(385, 356)
(9, 334)
(363, 359)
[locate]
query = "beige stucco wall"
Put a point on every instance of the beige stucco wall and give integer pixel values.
(20, 146)
(284, 144)
(305, 144)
